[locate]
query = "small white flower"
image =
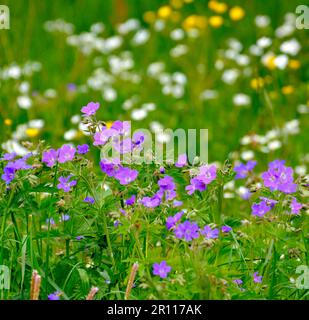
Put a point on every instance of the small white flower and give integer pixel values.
(264, 42)
(138, 114)
(291, 47)
(70, 134)
(262, 21)
(274, 145)
(177, 34)
(281, 61)
(247, 155)
(24, 102)
(241, 99)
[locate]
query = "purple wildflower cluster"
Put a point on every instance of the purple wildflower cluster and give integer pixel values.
(242, 170)
(90, 109)
(206, 175)
(65, 184)
(64, 154)
(279, 177)
(161, 269)
(261, 208)
(166, 190)
(13, 166)
(295, 206)
(113, 168)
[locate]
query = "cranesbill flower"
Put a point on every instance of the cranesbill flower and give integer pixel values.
(82, 149)
(238, 281)
(242, 170)
(123, 146)
(207, 173)
(161, 269)
(65, 184)
(177, 203)
(126, 175)
(210, 233)
(130, 201)
(65, 217)
(66, 153)
(151, 202)
(50, 157)
(269, 202)
(295, 206)
(260, 209)
(54, 296)
(13, 166)
(226, 229)
(187, 231)
(110, 167)
(138, 139)
(195, 184)
(121, 127)
(257, 278)
(182, 161)
(102, 136)
(9, 156)
(166, 183)
(90, 109)
(172, 220)
(279, 177)
(89, 200)
(8, 174)
(79, 237)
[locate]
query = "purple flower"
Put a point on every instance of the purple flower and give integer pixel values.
(295, 206)
(226, 229)
(207, 173)
(79, 237)
(117, 223)
(102, 136)
(65, 184)
(195, 184)
(50, 221)
(121, 127)
(13, 166)
(182, 161)
(54, 296)
(238, 281)
(257, 278)
(161, 269)
(90, 109)
(65, 217)
(162, 170)
(71, 86)
(279, 177)
(130, 201)
(9, 156)
(82, 149)
(187, 231)
(50, 157)
(269, 202)
(110, 167)
(138, 139)
(260, 209)
(166, 183)
(177, 203)
(172, 220)
(123, 146)
(89, 200)
(151, 202)
(126, 175)
(66, 153)
(242, 170)
(210, 233)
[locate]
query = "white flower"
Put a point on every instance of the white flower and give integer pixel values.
(129, 25)
(262, 21)
(109, 94)
(247, 155)
(291, 47)
(149, 106)
(75, 119)
(235, 44)
(50, 93)
(255, 50)
(14, 146)
(281, 61)
(14, 72)
(264, 42)
(178, 51)
(138, 114)
(36, 123)
(163, 137)
(241, 99)
(177, 34)
(209, 95)
(302, 108)
(24, 102)
(284, 31)
(291, 127)
(179, 78)
(97, 27)
(229, 76)
(155, 126)
(24, 87)
(301, 170)
(70, 134)
(141, 37)
(274, 145)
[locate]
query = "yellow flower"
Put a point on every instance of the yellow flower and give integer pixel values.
(270, 62)
(216, 21)
(188, 1)
(294, 64)
(237, 13)
(165, 12)
(194, 21)
(32, 132)
(218, 7)
(287, 90)
(149, 16)
(109, 124)
(177, 4)
(8, 122)
(257, 83)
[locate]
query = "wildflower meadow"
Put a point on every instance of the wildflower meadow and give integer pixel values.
(154, 150)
